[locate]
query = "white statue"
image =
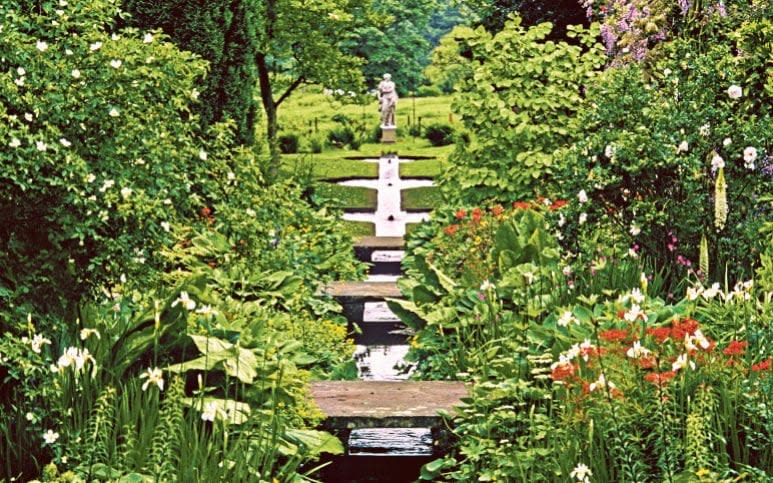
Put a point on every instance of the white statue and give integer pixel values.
(387, 97)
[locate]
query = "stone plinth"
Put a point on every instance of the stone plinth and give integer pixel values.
(388, 134)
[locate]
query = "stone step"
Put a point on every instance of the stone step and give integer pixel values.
(353, 295)
(386, 404)
(361, 292)
(365, 246)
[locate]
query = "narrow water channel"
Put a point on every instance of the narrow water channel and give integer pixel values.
(393, 455)
(389, 218)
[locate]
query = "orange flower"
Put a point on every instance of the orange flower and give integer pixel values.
(660, 378)
(451, 230)
(562, 371)
(521, 205)
(460, 214)
(659, 333)
(558, 204)
(647, 362)
(762, 366)
(686, 327)
(476, 214)
(497, 210)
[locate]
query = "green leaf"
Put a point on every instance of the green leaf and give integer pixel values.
(316, 441)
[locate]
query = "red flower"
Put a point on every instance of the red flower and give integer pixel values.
(460, 214)
(206, 212)
(497, 210)
(476, 214)
(614, 335)
(762, 366)
(521, 205)
(558, 204)
(451, 230)
(647, 362)
(735, 348)
(686, 327)
(659, 333)
(660, 378)
(562, 371)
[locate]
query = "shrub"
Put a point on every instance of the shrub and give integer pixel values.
(316, 144)
(645, 176)
(439, 134)
(518, 97)
(340, 137)
(288, 143)
(429, 91)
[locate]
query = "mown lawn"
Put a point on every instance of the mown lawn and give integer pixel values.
(346, 196)
(309, 115)
(424, 198)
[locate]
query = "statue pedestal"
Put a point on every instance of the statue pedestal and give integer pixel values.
(388, 134)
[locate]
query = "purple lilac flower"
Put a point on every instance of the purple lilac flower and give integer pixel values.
(622, 26)
(721, 9)
(609, 37)
(766, 166)
(640, 50)
(685, 6)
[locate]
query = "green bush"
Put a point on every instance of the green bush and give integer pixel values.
(429, 91)
(340, 137)
(518, 97)
(649, 165)
(316, 144)
(112, 113)
(288, 143)
(439, 134)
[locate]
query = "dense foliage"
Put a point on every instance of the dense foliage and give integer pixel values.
(223, 34)
(584, 371)
(610, 322)
(158, 317)
(494, 14)
(519, 96)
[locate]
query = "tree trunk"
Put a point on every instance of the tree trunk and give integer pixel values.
(269, 107)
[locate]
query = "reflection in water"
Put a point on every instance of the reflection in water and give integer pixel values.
(391, 441)
(382, 362)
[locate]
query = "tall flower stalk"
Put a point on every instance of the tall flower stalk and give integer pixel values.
(720, 201)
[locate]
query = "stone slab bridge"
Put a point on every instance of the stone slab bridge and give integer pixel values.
(352, 405)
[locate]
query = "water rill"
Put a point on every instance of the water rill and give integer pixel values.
(389, 218)
(389, 426)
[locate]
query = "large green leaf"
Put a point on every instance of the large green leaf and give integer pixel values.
(408, 312)
(316, 442)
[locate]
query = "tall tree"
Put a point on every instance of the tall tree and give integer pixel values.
(494, 14)
(223, 33)
(399, 46)
(301, 42)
